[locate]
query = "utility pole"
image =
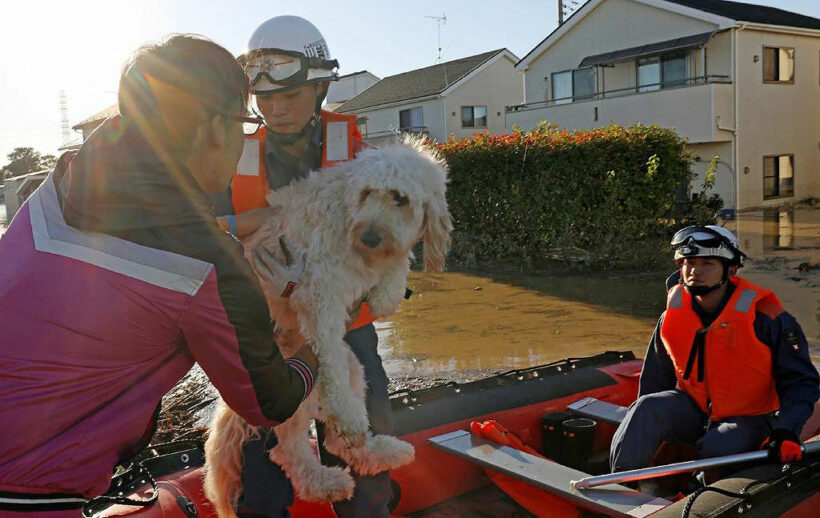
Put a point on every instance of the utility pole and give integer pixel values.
(440, 20)
(64, 118)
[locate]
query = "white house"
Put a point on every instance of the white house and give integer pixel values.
(739, 81)
(458, 98)
(347, 87)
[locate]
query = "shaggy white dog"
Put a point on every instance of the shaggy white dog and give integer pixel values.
(355, 225)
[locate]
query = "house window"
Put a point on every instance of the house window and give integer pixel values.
(562, 87)
(411, 118)
(673, 70)
(778, 65)
(583, 83)
(661, 72)
(778, 176)
(649, 74)
(573, 85)
(473, 116)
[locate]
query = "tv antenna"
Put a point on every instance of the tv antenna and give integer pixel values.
(566, 8)
(440, 20)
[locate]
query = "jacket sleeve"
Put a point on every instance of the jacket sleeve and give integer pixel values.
(658, 372)
(796, 378)
(228, 330)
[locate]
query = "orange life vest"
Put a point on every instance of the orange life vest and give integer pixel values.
(737, 367)
(341, 141)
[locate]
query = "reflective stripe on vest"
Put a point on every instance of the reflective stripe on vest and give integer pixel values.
(249, 184)
(737, 367)
(341, 140)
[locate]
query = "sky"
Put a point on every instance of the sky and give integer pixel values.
(79, 46)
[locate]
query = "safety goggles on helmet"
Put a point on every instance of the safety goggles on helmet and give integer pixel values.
(703, 236)
(697, 241)
(274, 69)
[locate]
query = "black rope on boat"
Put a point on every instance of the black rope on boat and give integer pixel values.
(124, 500)
(744, 495)
(140, 472)
(688, 508)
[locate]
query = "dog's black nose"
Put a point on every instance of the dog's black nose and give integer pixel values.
(370, 238)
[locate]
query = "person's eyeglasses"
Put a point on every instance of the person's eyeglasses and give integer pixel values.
(250, 123)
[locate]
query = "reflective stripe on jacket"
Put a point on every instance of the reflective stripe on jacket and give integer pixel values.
(341, 141)
(724, 365)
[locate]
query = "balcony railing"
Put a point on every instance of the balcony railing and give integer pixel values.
(415, 130)
(622, 92)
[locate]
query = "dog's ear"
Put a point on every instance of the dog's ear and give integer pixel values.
(437, 228)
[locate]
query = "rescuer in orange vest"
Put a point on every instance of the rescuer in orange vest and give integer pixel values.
(291, 68)
(727, 369)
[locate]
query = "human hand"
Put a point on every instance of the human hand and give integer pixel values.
(250, 221)
(278, 279)
(784, 446)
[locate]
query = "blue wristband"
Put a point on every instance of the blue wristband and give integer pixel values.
(232, 225)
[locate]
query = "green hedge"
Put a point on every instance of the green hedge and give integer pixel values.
(608, 197)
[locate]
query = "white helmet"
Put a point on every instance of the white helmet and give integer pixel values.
(287, 52)
(708, 241)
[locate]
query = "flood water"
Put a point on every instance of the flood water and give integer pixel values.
(474, 321)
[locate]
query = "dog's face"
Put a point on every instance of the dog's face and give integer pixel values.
(396, 197)
(386, 224)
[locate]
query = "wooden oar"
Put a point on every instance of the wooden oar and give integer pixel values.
(681, 467)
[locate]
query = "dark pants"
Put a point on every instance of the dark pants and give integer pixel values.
(268, 493)
(672, 416)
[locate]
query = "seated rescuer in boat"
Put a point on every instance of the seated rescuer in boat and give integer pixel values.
(116, 277)
(727, 369)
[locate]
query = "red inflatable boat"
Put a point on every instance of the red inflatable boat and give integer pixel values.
(455, 476)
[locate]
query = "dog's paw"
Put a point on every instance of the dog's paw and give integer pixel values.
(381, 453)
(392, 452)
(329, 484)
(351, 430)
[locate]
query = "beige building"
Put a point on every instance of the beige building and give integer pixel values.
(458, 98)
(737, 80)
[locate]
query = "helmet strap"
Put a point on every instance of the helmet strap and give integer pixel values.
(699, 291)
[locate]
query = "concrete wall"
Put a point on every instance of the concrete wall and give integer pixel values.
(613, 25)
(496, 87)
(778, 118)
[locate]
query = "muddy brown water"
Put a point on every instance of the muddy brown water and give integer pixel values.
(469, 322)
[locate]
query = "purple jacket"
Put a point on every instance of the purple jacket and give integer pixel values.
(114, 280)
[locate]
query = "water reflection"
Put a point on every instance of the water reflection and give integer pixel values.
(487, 320)
(778, 241)
(468, 321)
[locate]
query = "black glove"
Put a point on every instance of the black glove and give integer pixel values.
(783, 445)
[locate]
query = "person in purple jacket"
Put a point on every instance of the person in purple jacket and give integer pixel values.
(115, 278)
